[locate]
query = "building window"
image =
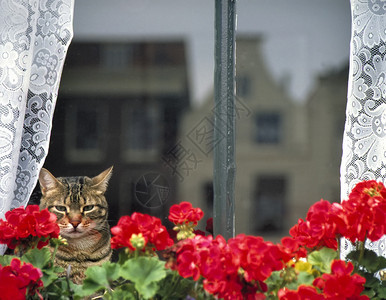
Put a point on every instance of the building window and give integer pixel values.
(208, 194)
(116, 56)
(243, 86)
(269, 128)
(86, 131)
(141, 131)
(270, 204)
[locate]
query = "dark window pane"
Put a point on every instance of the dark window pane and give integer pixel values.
(87, 128)
(243, 86)
(83, 55)
(208, 194)
(141, 131)
(269, 128)
(117, 56)
(270, 200)
(142, 128)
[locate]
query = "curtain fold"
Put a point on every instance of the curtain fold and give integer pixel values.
(364, 140)
(34, 38)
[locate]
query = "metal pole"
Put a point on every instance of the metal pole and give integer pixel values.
(224, 119)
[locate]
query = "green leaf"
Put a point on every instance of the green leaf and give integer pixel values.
(370, 260)
(5, 260)
(382, 292)
(123, 256)
(370, 293)
(371, 281)
(174, 286)
(96, 279)
(38, 257)
(145, 272)
(305, 278)
(59, 289)
(123, 292)
(112, 271)
(382, 263)
(49, 276)
(322, 259)
(275, 281)
(99, 278)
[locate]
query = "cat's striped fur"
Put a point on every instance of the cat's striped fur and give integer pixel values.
(81, 209)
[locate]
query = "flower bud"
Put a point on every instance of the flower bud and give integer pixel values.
(138, 241)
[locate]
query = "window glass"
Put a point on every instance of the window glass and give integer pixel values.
(141, 131)
(243, 84)
(137, 93)
(268, 128)
(270, 200)
(85, 130)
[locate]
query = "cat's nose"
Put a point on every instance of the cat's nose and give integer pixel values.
(75, 224)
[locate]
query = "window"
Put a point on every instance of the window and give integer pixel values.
(86, 127)
(157, 86)
(243, 86)
(208, 194)
(270, 200)
(141, 132)
(268, 128)
(116, 56)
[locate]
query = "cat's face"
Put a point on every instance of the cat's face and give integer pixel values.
(78, 202)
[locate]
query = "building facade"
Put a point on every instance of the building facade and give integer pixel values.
(120, 104)
(287, 153)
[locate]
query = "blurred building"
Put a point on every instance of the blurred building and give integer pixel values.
(127, 104)
(120, 104)
(287, 154)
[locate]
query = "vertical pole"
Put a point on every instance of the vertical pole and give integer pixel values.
(224, 119)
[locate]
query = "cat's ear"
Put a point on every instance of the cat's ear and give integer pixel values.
(47, 181)
(101, 181)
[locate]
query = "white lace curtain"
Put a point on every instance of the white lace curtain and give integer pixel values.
(364, 141)
(34, 37)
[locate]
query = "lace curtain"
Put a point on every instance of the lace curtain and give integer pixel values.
(364, 141)
(34, 37)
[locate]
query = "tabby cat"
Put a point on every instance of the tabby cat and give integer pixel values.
(81, 209)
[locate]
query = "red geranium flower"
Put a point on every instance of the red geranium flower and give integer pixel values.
(368, 188)
(150, 227)
(189, 256)
(256, 257)
(340, 284)
(188, 265)
(365, 212)
(17, 279)
(291, 248)
(28, 227)
(362, 216)
(324, 222)
(211, 259)
(184, 213)
(230, 270)
(229, 289)
(302, 293)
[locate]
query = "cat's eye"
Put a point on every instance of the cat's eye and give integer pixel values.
(88, 207)
(61, 208)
